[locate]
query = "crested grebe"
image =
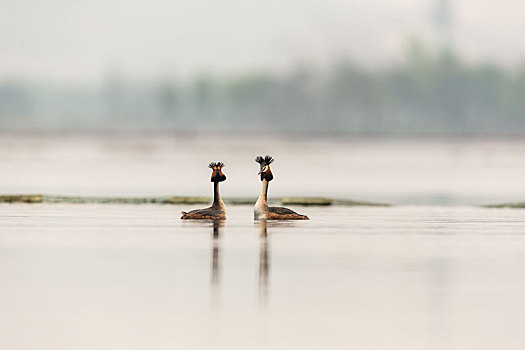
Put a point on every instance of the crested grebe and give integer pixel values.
(217, 209)
(261, 210)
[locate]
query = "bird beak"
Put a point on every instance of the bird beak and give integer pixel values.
(260, 171)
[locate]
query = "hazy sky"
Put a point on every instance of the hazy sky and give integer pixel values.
(67, 40)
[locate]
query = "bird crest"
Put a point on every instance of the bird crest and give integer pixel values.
(267, 160)
(216, 165)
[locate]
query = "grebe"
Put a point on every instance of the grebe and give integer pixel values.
(261, 210)
(217, 209)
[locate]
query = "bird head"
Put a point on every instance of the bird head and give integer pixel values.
(216, 174)
(265, 171)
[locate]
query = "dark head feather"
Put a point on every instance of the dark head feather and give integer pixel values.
(218, 164)
(264, 161)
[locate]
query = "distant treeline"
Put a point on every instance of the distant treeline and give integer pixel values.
(427, 93)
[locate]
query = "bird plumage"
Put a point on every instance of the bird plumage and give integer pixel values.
(261, 210)
(217, 210)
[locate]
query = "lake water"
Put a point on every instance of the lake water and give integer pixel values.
(137, 277)
(443, 172)
(419, 275)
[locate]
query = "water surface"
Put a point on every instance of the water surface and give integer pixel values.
(418, 171)
(137, 277)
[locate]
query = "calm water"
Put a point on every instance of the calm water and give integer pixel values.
(137, 277)
(420, 275)
(442, 172)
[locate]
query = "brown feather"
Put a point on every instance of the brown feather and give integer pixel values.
(280, 213)
(213, 212)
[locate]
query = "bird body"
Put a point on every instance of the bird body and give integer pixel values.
(261, 210)
(217, 211)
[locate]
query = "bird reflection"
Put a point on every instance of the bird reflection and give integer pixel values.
(264, 262)
(216, 255)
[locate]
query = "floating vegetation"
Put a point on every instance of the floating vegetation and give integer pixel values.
(240, 200)
(188, 200)
(310, 201)
(321, 201)
(21, 198)
(352, 203)
(306, 201)
(517, 205)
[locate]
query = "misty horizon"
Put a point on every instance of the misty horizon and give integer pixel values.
(430, 93)
(82, 42)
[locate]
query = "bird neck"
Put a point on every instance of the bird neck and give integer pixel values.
(216, 195)
(264, 191)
